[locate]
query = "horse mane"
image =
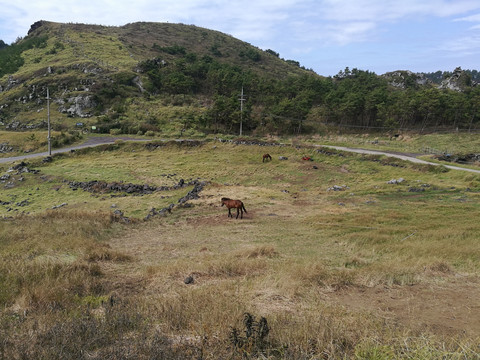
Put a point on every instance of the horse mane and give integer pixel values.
(225, 199)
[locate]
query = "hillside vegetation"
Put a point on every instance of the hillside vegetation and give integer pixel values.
(332, 259)
(182, 80)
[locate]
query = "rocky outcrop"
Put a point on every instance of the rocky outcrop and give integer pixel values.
(458, 81)
(11, 83)
(403, 79)
(78, 106)
(5, 148)
(35, 26)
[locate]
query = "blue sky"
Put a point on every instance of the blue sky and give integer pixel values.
(323, 35)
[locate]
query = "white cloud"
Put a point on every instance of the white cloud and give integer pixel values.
(290, 27)
(462, 46)
(388, 10)
(350, 32)
(471, 18)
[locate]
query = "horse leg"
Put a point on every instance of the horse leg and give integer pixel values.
(229, 213)
(241, 212)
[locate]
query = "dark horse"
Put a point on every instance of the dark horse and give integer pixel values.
(236, 204)
(266, 157)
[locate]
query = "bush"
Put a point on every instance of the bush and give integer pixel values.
(150, 133)
(115, 131)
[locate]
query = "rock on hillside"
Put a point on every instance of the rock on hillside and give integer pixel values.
(403, 79)
(458, 81)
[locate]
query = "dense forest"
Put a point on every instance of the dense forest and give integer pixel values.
(297, 102)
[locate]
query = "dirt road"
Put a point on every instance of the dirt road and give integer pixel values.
(92, 141)
(407, 157)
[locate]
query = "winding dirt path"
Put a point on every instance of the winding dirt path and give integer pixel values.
(91, 142)
(403, 156)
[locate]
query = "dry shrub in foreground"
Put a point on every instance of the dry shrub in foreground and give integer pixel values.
(54, 286)
(123, 332)
(43, 266)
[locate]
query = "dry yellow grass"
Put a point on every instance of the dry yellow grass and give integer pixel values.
(337, 274)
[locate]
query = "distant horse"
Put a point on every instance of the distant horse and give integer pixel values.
(236, 204)
(266, 157)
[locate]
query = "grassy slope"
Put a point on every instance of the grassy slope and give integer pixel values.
(85, 56)
(298, 243)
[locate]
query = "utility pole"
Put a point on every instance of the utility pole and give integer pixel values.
(242, 99)
(48, 121)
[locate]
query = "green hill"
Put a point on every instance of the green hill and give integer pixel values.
(175, 79)
(148, 73)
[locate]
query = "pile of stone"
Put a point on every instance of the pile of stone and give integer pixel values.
(249, 142)
(96, 186)
(396, 181)
(328, 152)
(23, 168)
(338, 188)
(460, 159)
(5, 148)
(188, 143)
(191, 195)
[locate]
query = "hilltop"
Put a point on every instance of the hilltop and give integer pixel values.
(184, 80)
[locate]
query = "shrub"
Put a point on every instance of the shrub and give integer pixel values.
(115, 131)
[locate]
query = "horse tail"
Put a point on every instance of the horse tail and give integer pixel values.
(243, 207)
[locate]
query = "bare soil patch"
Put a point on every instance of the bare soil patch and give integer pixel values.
(446, 309)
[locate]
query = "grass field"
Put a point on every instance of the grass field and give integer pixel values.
(338, 262)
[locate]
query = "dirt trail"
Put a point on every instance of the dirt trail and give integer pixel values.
(92, 141)
(403, 156)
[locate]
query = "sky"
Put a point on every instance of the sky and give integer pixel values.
(323, 35)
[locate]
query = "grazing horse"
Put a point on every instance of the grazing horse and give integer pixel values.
(237, 204)
(266, 157)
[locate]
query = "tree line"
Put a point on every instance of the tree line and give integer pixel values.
(299, 104)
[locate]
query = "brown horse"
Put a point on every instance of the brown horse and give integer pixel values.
(266, 157)
(236, 204)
